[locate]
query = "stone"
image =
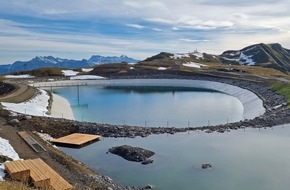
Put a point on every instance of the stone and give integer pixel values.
(13, 121)
(4, 158)
(135, 154)
(148, 186)
(28, 117)
(148, 161)
(206, 166)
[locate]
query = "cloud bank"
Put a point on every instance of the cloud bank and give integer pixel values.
(77, 29)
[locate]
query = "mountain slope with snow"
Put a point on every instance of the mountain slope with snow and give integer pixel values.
(97, 59)
(50, 61)
(265, 55)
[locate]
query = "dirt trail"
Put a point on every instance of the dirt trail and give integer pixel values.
(19, 89)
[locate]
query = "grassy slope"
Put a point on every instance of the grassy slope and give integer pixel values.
(28, 94)
(282, 88)
(10, 185)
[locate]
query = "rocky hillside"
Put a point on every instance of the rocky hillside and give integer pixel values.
(175, 60)
(265, 55)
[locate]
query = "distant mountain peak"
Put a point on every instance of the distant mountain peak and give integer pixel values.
(50, 61)
(97, 59)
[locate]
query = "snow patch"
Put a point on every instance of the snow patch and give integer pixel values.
(251, 48)
(86, 70)
(187, 55)
(69, 73)
(36, 106)
(180, 55)
(231, 59)
(7, 150)
(46, 137)
(131, 68)
(193, 65)
(162, 68)
(247, 59)
(198, 55)
(86, 77)
(18, 76)
(234, 53)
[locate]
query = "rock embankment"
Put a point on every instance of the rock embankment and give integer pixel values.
(135, 154)
(277, 113)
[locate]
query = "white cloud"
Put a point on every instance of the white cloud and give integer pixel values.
(175, 28)
(193, 40)
(160, 20)
(224, 24)
(137, 26)
(157, 29)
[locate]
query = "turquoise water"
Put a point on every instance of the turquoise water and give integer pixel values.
(251, 159)
(152, 106)
(244, 159)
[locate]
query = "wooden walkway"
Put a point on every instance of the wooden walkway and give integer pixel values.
(31, 142)
(37, 172)
(76, 140)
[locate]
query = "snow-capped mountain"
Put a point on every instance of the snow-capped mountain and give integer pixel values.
(50, 61)
(267, 55)
(176, 57)
(97, 59)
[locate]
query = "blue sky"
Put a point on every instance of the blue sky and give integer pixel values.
(77, 29)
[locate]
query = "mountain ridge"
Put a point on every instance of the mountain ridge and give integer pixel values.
(50, 61)
(265, 55)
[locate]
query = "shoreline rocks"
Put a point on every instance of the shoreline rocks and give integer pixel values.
(135, 154)
(277, 113)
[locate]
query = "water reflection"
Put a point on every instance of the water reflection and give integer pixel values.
(153, 106)
(243, 159)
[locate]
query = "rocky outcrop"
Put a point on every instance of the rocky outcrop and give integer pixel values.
(4, 158)
(135, 154)
(206, 166)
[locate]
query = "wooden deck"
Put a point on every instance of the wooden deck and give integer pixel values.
(38, 172)
(76, 140)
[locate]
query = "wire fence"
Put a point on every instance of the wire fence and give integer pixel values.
(161, 122)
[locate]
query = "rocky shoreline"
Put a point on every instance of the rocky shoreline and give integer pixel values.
(277, 113)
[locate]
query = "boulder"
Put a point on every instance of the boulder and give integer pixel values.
(148, 186)
(4, 158)
(206, 166)
(13, 121)
(148, 161)
(135, 154)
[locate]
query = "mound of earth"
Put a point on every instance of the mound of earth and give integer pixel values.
(135, 154)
